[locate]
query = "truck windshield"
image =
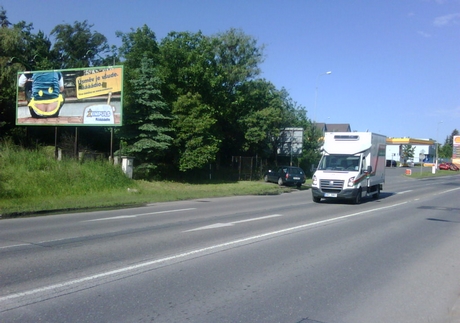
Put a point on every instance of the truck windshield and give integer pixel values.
(339, 162)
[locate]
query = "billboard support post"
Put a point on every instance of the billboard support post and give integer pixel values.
(111, 144)
(76, 143)
(56, 142)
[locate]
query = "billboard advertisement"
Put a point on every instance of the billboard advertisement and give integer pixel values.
(90, 96)
(290, 142)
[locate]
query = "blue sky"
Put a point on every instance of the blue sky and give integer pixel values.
(395, 63)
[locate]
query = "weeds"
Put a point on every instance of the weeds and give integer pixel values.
(32, 180)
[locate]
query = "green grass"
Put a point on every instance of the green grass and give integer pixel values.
(32, 181)
(426, 172)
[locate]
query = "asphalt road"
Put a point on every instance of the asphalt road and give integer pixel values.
(242, 259)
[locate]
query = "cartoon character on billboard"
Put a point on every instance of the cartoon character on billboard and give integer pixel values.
(44, 93)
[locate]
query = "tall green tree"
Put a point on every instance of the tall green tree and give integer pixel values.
(407, 152)
(147, 116)
(150, 138)
(20, 50)
(4, 22)
(446, 150)
(189, 81)
(204, 73)
(259, 107)
(237, 59)
(77, 45)
(197, 142)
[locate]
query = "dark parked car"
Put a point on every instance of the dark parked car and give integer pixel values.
(286, 175)
(391, 163)
(448, 166)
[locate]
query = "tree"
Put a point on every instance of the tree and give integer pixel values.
(18, 52)
(260, 108)
(407, 152)
(204, 73)
(446, 150)
(4, 22)
(149, 126)
(197, 142)
(136, 45)
(77, 46)
(147, 116)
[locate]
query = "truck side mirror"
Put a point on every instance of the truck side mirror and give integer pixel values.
(369, 169)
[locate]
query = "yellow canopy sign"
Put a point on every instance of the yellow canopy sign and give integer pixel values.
(109, 81)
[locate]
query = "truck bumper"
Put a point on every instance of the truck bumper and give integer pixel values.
(345, 194)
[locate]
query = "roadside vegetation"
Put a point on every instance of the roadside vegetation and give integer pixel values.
(32, 181)
(425, 172)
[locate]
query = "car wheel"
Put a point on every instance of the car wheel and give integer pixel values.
(280, 181)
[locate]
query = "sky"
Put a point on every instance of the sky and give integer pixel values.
(395, 64)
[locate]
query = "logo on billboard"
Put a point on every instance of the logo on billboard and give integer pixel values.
(99, 114)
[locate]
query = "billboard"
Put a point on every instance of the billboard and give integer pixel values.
(290, 142)
(456, 147)
(90, 96)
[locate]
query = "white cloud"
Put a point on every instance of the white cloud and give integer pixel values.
(453, 18)
(424, 34)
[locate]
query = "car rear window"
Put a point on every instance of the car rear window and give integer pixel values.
(296, 171)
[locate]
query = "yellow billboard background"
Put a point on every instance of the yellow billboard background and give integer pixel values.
(101, 83)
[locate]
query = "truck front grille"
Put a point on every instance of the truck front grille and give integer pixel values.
(329, 185)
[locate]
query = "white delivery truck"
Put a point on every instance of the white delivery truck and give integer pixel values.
(352, 166)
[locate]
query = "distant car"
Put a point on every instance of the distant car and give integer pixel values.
(391, 163)
(448, 166)
(286, 175)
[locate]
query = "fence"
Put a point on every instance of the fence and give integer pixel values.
(248, 168)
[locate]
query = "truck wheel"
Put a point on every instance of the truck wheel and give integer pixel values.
(377, 194)
(280, 181)
(357, 199)
(316, 199)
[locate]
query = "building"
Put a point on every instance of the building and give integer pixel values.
(333, 127)
(425, 149)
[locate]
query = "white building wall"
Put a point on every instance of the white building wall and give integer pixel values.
(393, 153)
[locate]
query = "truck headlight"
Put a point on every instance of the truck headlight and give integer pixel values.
(351, 181)
(314, 180)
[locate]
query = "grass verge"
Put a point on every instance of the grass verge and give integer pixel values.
(32, 181)
(427, 172)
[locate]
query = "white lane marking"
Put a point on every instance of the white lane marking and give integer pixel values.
(404, 192)
(16, 245)
(101, 219)
(447, 191)
(137, 215)
(183, 255)
(229, 224)
(257, 219)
